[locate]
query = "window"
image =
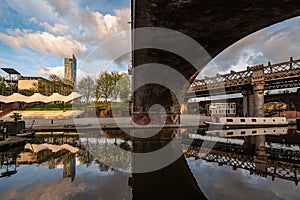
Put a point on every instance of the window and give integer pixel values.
(230, 133)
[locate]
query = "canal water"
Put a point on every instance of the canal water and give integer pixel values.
(68, 166)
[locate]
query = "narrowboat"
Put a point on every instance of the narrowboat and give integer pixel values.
(246, 122)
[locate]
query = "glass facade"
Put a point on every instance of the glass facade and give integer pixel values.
(70, 70)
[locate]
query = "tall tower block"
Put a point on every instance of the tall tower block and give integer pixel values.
(70, 70)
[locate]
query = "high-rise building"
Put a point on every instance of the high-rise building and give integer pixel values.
(70, 70)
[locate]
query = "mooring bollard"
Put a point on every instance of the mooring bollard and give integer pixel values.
(51, 121)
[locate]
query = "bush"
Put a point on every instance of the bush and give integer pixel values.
(16, 116)
(292, 123)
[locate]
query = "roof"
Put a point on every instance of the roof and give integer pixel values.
(37, 97)
(10, 71)
(31, 78)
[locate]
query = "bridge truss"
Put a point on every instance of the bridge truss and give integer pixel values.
(274, 76)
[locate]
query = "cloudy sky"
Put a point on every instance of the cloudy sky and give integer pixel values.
(35, 36)
(276, 43)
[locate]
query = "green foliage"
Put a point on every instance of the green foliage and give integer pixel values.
(53, 106)
(201, 109)
(112, 85)
(105, 86)
(55, 84)
(26, 92)
(5, 90)
(123, 87)
(86, 87)
(16, 116)
(292, 123)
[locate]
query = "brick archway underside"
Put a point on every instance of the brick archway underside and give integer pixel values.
(214, 24)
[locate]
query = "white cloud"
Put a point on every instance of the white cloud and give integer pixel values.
(59, 71)
(66, 28)
(33, 19)
(44, 42)
(60, 6)
(275, 44)
(46, 71)
(56, 28)
(93, 27)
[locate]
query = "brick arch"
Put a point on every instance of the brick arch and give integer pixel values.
(214, 24)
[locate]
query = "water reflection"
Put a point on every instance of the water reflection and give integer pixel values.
(68, 167)
(8, 164)
(174, 181)
(252, 153)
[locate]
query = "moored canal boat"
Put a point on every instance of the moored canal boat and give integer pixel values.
(246, 122)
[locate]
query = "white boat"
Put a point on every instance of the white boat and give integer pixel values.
(246, 122)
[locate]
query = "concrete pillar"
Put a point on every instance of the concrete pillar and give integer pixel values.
(258, 90)
(251, 105)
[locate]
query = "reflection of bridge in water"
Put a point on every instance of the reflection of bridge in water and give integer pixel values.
(253, 155)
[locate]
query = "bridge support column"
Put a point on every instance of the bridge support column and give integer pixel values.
(248, 103)
(251, 105)
(258, 91)
(261, 155)
(245, 103)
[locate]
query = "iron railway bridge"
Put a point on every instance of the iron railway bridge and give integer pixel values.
(273, 76)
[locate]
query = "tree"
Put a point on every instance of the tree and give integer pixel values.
(112, 85)
(123, 87)
(58, 85)
(105, 86)
(16, 116)
(116, 90)
(3, 89)
(86, 86)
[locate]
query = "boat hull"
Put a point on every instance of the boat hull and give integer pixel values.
(240, 123)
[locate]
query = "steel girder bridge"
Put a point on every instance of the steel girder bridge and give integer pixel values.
(273, 76)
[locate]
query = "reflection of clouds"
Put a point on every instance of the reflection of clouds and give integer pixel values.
(84, 187)
(216, 182)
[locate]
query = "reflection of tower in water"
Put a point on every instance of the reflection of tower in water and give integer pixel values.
(69, 164)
